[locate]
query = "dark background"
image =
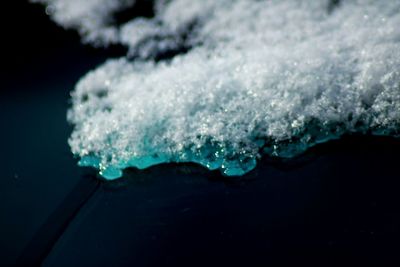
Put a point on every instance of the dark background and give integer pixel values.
(337, 205)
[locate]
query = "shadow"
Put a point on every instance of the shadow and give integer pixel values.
(333, 4)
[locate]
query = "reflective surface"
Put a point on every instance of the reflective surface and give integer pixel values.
(337, 205)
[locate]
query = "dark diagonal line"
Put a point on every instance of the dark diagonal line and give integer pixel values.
(50, 232)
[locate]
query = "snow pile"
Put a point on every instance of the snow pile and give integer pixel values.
(242, 78)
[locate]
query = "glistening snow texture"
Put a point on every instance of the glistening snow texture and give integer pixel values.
(243, 78)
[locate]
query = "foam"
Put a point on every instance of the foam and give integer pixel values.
(256, 77)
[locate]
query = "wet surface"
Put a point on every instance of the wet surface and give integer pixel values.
(337, 205)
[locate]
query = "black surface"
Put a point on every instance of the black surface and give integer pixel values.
(57, 223)
(40, 63)
(338, 205)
